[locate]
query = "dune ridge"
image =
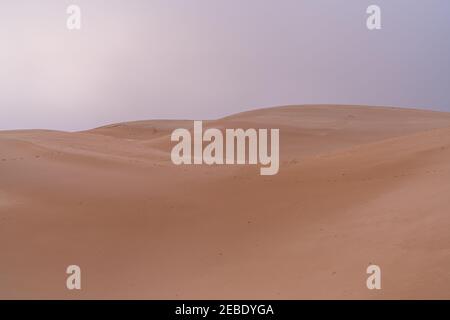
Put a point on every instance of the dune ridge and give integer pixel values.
(357, 186)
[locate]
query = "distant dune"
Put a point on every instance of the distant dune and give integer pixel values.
(357, 186)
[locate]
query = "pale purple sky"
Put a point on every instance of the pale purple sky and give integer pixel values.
(202, 59)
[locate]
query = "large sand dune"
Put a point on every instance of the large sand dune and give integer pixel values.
(357, 186)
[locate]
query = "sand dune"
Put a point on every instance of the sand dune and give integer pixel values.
(357, 186)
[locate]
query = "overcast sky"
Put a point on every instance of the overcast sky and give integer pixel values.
(203, 59)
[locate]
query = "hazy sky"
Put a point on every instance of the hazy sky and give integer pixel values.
(202, 59)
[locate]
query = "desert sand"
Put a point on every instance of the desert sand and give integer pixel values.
(357, 186)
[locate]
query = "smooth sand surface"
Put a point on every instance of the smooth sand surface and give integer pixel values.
(357, 186)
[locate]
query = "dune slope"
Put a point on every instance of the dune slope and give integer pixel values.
(357, 186)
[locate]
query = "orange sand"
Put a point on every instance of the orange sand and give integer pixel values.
(357, 186)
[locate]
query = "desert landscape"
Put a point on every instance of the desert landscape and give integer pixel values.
(357, 186)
